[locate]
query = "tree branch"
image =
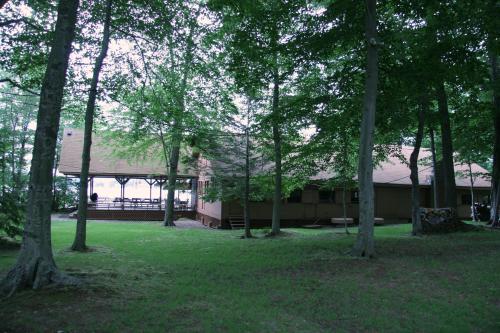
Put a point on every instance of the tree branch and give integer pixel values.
(19, 86)
(9, 22)
(2, 3)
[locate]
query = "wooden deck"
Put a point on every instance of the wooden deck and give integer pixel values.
(135, 215)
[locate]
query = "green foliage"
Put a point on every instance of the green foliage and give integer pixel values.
(11, 214)
(65, 193)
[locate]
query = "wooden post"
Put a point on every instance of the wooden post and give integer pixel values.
(122, 181)
(161, 181)
(91, 180)
(150, 182)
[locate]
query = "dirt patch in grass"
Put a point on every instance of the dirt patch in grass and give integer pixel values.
(56, 309)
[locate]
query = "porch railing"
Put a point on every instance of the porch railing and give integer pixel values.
(137, 204)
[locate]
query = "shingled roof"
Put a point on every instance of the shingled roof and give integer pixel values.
(104, 161)
(395, 172)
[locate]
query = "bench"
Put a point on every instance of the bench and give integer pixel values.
(349, 220)
(340, 220)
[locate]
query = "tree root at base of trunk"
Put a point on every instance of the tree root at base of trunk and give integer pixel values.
(35, 274)
(363, 248)
(79, 248)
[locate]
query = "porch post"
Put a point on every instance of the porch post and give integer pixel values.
(122, 181)
(151, 182)
(161, 181)
(91, 187)
(150, 189)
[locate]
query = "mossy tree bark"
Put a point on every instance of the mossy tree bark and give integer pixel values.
(79, 244)
(364, 245)
(35, 266)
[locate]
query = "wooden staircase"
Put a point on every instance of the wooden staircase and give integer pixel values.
(237, 221)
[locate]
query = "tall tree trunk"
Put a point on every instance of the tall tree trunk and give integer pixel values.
(55, 204)
(415, 187)
(246, 199)
(344, 207)
(79, 244)
(13, 152)
(3, 173)
(35, 266)
(168, 220)
(365, 245)
(22, 153)
(472, 200)
(275, 227)
(434, 164)
(450, 192)
(495, 179)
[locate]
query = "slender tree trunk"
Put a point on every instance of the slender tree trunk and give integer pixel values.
(365, 245)
(3, 174)
(22, 153)
(275, 227)
(495, 179)
(471, 178)
(450, 192)
(415, 187)
(55, 204)
(344, 207)
(246, 199)
(35, 266)
(168, 220)
(434, 163)
(79, 244)
(13, 152)
(172, 176)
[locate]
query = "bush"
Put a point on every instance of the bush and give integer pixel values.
(11, 215)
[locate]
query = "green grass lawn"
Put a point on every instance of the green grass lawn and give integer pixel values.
(147, 278)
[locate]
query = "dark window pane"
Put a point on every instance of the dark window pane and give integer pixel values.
(354, 196)
(326, 196)
(295, 196)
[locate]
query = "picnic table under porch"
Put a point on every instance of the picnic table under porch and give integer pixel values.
(138, 208)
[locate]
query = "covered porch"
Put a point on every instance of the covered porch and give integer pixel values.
(131, 205)
(114, 170)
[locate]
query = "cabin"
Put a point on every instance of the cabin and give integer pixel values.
(312, 204)
(316, 205)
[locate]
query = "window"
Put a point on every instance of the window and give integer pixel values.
(326, 196)
(295, 196)
(466, 199)
(355, 196)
